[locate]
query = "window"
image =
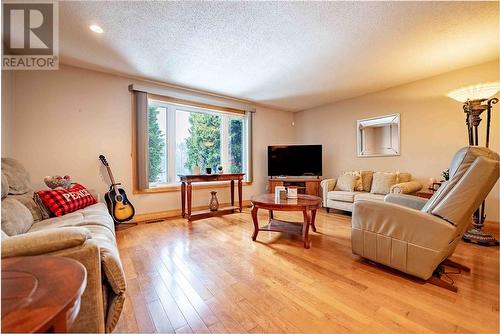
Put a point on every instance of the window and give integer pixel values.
(181, 137)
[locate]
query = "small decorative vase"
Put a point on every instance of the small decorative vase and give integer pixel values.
(214, 202)
(196, 170)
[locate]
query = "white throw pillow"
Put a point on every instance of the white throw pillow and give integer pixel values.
(382, 182)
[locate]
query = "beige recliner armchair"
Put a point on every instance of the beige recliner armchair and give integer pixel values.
(414, 235)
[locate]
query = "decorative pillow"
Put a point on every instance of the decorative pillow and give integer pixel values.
(16, 218)
(382, 182)
(28, 201)
(17, 177)
(403, 177)
(366, 179)
(346, 182)
(359, 182)
(63, 201)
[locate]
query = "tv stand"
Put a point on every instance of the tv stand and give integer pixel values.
(306, 185)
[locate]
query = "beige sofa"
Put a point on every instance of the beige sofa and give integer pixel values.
(333, 198)
(86, 235)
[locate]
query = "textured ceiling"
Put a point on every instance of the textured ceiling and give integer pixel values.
(288, 55)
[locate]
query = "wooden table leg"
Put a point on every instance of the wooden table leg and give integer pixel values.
(189, 198)
(240, 194)
(313, 219)
(232, 192)
(183, 198)
(271, 215)
(305, 229)
(255, 223)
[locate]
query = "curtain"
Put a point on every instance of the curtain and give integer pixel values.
(141, 147)
(249, 152)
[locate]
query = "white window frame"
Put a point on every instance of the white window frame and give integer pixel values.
(171, 110)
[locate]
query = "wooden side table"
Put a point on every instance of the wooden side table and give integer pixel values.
(41, 293)
(424, 193)
(187, 194)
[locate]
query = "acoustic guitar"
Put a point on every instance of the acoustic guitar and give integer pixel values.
(116, 199)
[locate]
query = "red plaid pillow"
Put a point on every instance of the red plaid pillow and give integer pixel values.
(63, 201)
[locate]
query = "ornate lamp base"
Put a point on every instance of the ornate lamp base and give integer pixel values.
(476, 236)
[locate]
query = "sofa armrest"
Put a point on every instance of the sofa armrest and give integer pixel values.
(43, 242)
(402, 223)
(409, 201)
(406, 187)
(326, 186)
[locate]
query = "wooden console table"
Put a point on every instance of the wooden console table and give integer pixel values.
(187, 194)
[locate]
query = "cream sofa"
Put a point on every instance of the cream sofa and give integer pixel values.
(86, 235)
(333, 198)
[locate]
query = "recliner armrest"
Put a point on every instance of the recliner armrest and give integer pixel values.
(408, 201)
(399, 222)
(406, 187)
(43, 242)
(326, 186)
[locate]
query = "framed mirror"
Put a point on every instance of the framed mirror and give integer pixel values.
(379, 136)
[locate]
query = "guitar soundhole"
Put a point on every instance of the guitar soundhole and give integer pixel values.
(119, 198)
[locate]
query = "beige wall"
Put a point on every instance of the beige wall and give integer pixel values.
(432, 127)
(60, 121)
(7, 105)
(64, 119)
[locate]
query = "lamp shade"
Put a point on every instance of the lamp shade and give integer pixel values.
(475, 92)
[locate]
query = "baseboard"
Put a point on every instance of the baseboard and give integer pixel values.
(174, 213)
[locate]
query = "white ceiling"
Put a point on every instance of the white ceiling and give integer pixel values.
(288, 55)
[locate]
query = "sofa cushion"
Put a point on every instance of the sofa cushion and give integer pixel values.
(366, 179)
(382, 183)
(28, 201)
(16, 218)
(342, 196)
(17, 177)
(96, 214)
(369, 197)
(5, 186)
(347, 182)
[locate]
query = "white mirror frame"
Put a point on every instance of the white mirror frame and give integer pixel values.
(394, 145)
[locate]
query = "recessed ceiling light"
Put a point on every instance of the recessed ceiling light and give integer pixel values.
(95, 28)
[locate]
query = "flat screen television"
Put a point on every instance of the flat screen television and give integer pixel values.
(294, 160)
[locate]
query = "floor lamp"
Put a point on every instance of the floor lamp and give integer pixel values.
(476, 100)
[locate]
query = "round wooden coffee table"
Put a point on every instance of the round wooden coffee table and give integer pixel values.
(41, 293)
(308, 204)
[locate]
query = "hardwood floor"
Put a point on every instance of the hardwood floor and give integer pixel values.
(208, 276)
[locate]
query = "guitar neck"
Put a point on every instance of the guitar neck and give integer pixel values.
(112, 178)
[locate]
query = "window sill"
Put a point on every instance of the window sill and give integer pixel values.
(177, 187)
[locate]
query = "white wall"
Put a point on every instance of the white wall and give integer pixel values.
(432, 127)
(62, 120)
